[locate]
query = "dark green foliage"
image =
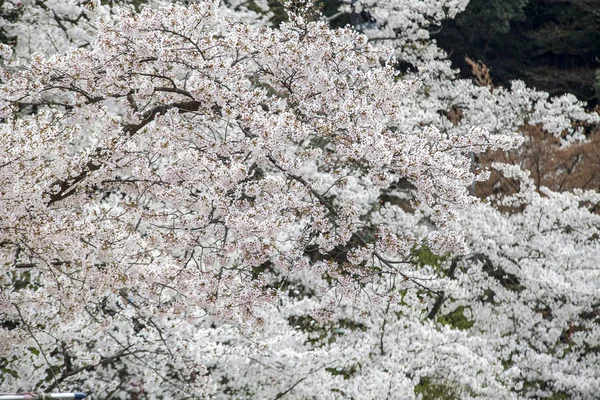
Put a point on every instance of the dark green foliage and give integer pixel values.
(5, 368)
(423, 256)
(456, 319)
(429, 389)
(7, 15)
(485, 19)
(551, 45)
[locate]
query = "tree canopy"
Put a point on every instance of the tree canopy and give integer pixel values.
(209, 200)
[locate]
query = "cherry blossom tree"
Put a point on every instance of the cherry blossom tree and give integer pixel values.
(161, 184)
(533, 285)
(48, 27)
(196, 204)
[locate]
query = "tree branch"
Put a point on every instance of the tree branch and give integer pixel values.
(63, 188)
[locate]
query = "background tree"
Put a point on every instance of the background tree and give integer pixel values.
(551, 45)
